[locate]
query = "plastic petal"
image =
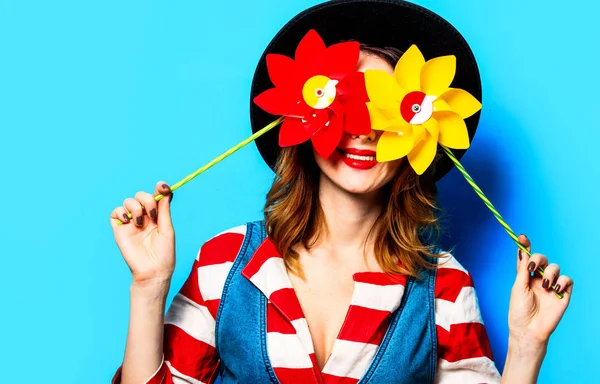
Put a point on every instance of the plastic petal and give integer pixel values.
(394, 145)
(292, 132)
(282, 70)
(353, 87)
(317, 120)
(337, 107)
(326, 139)
(461, 102)
(341, 59)
(381, 119)
(357, 119)
(419, 132)
(382, 89)
(437, 75)
(421, 157)
(408, 69)
(299, 109)
(453, 130)
(310, 55)
(441, 105)
(431, 126)
(276, 102)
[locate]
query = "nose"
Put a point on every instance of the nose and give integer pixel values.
(370, 137)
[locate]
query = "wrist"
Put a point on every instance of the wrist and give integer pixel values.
(523, 361)
(523, 346)
(155, 288)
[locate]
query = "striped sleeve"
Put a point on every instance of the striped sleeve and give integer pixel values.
(189, 352)
(464, 352)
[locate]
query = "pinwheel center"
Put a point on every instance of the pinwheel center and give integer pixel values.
(417, 107)
(319, 91)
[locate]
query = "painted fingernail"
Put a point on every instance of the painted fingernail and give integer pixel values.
(153, 213)
(171, 197)
(546, 283)
(125, 217)
(520, 255)
(557, 288)
(531, 267)
(165, 186)
(139, 220)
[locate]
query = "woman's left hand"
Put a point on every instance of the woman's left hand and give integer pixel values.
(535, 310)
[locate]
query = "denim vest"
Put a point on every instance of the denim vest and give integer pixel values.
(407, 353)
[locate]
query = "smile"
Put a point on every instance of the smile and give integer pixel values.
(358, 158)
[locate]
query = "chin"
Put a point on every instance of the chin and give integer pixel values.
(356, 187)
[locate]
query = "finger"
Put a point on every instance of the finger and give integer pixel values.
(162, 188)
(537, 260)
(523, 239)
(564, 284)
(121, 214)
(147, 201)
(164, 206)
(118, 216)
(551, 273)
(522, 262)
(135, 208)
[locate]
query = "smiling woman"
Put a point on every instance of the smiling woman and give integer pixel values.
(343, 280)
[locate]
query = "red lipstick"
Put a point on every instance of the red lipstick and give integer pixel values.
(358, 158)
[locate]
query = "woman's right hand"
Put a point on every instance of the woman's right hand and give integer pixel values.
(147, 240)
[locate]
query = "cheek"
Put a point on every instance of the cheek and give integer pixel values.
(396, 164)
(390, 170)
(327, 166)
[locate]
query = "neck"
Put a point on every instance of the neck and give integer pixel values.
(348, 217)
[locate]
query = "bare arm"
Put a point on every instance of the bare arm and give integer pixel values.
(144, 348)
(523, 361)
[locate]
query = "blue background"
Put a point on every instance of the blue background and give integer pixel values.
(101, 99)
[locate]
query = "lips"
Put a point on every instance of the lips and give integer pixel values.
(358, 158)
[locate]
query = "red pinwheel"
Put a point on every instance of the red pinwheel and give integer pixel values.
(320, 93)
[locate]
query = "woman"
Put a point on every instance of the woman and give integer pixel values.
(340, 283)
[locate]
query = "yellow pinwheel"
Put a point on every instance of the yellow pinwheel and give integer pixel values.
(417, 109)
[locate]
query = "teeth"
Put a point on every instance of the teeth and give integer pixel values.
(356, 157)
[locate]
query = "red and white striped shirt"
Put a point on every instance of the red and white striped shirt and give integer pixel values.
(464, 354)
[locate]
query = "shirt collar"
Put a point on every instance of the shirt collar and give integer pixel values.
(266, 271)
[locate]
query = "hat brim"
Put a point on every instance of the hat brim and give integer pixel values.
(381, 23)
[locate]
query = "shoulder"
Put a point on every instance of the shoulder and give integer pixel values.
(456, 302)
(451, 278)
(463, 347)
(204, 285)
(222, 247)
(455, 298)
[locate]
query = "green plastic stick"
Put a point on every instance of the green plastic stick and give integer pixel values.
(219, 158)
(491, 207)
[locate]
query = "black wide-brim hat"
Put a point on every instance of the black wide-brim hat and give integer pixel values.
(380, 23)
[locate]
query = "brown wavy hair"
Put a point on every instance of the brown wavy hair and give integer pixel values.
(406, 230)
